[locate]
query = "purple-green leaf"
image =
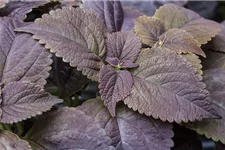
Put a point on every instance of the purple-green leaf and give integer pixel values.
(114, 86)
(64, 79)
(213, 128)
(110, 12)
(129, 129)
(22, 100)
(22, 58)
(166, 87)
(69, 128)
(10, 141)
(122, 46)
(77, 41)
(148, 29)
(174, 16)
(19, 9)
(179, 41)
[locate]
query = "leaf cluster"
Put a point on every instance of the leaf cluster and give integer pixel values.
(151, 72)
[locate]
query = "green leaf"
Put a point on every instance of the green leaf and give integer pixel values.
(179, 41)
(174, 16)
(148, 29)
(195, 61)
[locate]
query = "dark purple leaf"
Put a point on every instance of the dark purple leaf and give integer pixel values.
(166, 87)
(114, 86)
(22, 58)
(129, 129)
(218, 42)
(69, 128)
(110, 12)
(179, 41)
(174, 16)
(129, 16)
(78, 41)
(65, 78)
(19, 9)
(213, 128)
(10, 141)
(22, 100)
(148, 29)
(122, 46)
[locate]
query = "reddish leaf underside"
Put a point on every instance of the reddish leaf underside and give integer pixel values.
(166, 87)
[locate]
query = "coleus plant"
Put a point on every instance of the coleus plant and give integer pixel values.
(148, 70)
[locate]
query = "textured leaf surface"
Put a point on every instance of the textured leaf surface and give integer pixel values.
(65, 79)
(78, 41)
(166, 87)
(179, 41)
(111, 12)
(10, 141)
(130, 15)
(129, 129)
(3, 3)
(27, 61)
(22, 100)
(148, 29)
(114, 86)
(69, 128)
(213, 128)
(124, 47)
(19, 9)
(215, 60)
(22, 58)
(174, 16)
(218, 42)
(195, 61)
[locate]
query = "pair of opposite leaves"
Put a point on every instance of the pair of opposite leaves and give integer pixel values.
(164, 85)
